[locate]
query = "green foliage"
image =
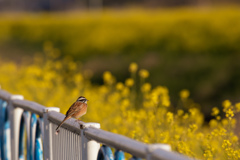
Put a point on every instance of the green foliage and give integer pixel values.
(139, 111)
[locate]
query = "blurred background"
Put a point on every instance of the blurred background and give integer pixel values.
(184, 44)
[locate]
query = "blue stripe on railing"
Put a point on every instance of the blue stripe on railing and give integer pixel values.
(105, 153)
(1, 128)
(32, 134)
(35, 138)
(21, 140)
(119, 155)
(5, 132)
(38, 142)
(135, 158)
(23, 146)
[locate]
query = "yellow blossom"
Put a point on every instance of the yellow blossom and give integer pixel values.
(226, 104)
(226, 144)
(184, 94)
(108, 78)
(165, 102)
(146, 87)
(133, 67)
(143, 73)
(119, 86)
(125, 92)
(180, 112)
(215, 111)
(185, 116)
(224, 122)
(78, 78)
(213, 123)
(193, 128)
(237, 105)
(234, 139)
(169, 117)
(129, 82)
(218, 118)
(229, 113)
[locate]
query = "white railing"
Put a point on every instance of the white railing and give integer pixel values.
(27, 131)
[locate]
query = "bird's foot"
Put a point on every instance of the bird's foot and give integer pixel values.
(81, 123)
(57, 132)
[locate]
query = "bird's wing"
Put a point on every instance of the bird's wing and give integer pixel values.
(75, 107)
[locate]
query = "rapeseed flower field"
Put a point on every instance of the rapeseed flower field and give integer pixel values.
(197, 45)
(195, 42)
(133, 108)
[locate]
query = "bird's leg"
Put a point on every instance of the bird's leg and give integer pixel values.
(82, 126)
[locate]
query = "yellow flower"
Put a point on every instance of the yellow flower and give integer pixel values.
(218, 118)
(185, 116)
(235, 139)
(215, 111)
(143, 73)
(165, 102)
(184, 94)
(133, 67)
(226, 144)
(180, 112)
(146, 87)
(226, 104)
(237, 105)
(129, 82)
(78, 78)
(208, 154)
(222, 132)
(169, 117)
(224, 122)
(125, 91)
(124, 104)
(193, 127)
(119, 86)
(108, 78)
(229, 113)
(213, 123)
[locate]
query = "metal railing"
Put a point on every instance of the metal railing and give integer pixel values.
(27, 131)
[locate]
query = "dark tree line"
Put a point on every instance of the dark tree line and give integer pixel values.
(52, 5)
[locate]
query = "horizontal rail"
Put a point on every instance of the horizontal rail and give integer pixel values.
(29, 106)
(162, 154)
(70, 124)
(117, 141)
(5, 95)
(131, 146)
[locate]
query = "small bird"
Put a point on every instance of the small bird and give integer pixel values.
(77, 110)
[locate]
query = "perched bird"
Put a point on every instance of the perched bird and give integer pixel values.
(77, 110)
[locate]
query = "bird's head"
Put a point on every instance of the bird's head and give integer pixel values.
(82, 99)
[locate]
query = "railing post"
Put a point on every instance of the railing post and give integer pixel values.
(15, 118)
(47, 132)
(90, 148)
(153, 147)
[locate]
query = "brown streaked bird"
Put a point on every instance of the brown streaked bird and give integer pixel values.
(77, 110)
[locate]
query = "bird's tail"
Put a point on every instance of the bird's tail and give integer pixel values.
(57, 129)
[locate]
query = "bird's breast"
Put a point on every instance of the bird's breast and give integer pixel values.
(81, 112)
